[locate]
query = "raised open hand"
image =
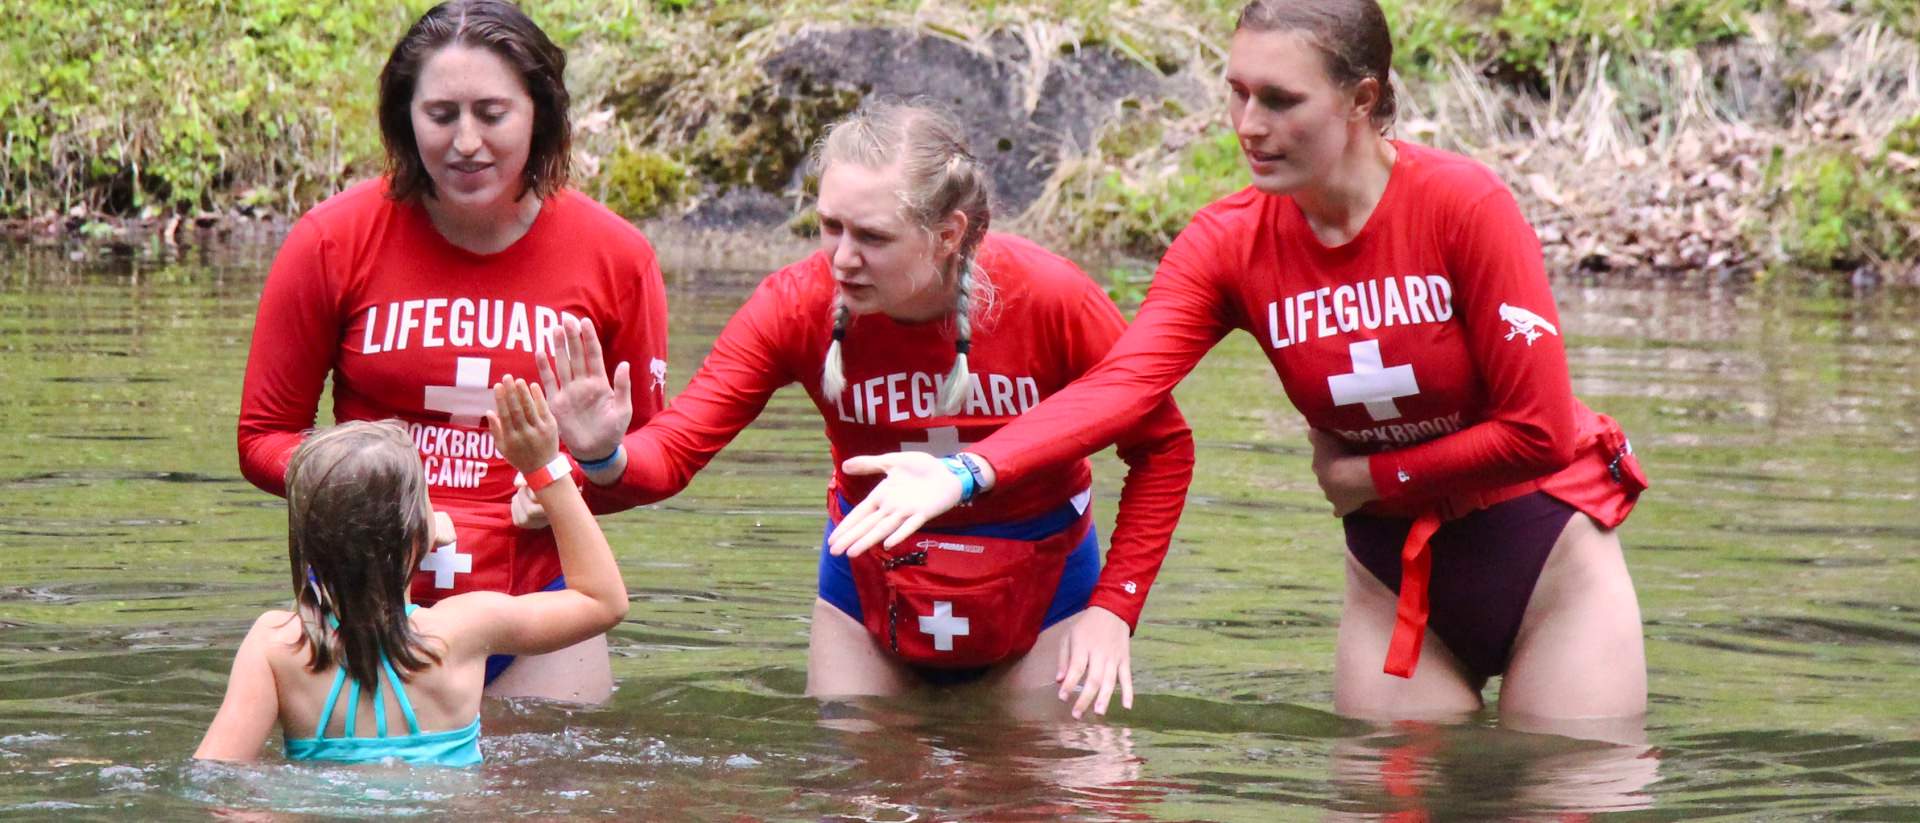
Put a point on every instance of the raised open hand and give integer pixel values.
(523, 427)
(593, 412)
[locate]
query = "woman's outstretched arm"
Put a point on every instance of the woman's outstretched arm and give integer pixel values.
(1180, 321)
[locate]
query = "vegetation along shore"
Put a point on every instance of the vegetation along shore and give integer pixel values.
(1658, 138)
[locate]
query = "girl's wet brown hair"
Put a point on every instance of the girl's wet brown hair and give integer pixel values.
(357, 522)
(1351, 35)
(498, 27)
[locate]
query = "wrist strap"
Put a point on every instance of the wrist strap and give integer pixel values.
(596, 465)
(973, 469)
(960, 472)
(545, 476)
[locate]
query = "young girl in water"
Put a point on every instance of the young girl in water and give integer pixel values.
(359, 523)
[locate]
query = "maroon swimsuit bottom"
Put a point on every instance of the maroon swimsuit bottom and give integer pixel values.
(1484, 568)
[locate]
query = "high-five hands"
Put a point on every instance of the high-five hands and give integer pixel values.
(593, 412)
(522, 426)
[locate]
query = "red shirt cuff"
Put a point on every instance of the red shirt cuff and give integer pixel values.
(1389, 479)
(1124, 606)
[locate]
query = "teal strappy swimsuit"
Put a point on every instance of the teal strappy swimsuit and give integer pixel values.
(459, 747)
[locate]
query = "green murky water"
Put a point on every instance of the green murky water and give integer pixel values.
(1776, 563)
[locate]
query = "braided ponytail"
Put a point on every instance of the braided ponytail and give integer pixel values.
(953, 395)
(833, 376)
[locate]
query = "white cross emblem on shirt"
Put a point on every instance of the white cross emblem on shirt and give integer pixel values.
(470, 397)
(943, 626)
(1372, 384)
(445, 561)
(940, 442)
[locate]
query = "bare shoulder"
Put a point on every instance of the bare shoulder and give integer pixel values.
(278, 638)
(280, 626)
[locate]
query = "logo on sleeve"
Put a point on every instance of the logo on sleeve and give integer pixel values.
(1523, 323)
(657, 369)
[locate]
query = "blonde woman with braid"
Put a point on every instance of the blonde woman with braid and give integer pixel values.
(914, 327)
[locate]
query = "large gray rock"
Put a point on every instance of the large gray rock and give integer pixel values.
(826, 72)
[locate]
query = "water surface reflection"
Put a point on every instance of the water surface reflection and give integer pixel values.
(1775, 561)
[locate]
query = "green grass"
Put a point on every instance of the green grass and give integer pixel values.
(1141, 209)
(158, 106)
(164, 104)
(189, 104)
(642, 183)
(1838, 209)
(1527, 40)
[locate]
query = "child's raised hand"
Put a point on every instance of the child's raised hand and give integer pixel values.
(522, 425)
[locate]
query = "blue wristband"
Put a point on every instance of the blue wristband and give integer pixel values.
(604, 462)
(973, 468)
(960, 472)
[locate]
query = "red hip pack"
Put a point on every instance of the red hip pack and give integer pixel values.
(956, 601)
(1605, 478)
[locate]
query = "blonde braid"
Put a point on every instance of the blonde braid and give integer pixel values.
(953, 396)
(833, 375)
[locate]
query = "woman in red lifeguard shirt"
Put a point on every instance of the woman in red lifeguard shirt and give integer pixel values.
(914, 327)
(418, 291)
(1402, 300)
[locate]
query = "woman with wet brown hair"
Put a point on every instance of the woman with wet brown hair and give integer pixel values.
(1401, 298)
(416, 291)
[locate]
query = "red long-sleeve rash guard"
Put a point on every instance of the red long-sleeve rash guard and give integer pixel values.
(1045, 324)
(1429, 341)
(412, 327)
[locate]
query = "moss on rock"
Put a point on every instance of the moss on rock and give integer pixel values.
(639, 183)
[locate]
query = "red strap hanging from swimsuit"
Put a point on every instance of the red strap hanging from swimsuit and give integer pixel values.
(1410, 617)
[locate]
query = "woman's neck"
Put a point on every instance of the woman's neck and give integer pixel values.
(486, 230)
(1339, 208)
